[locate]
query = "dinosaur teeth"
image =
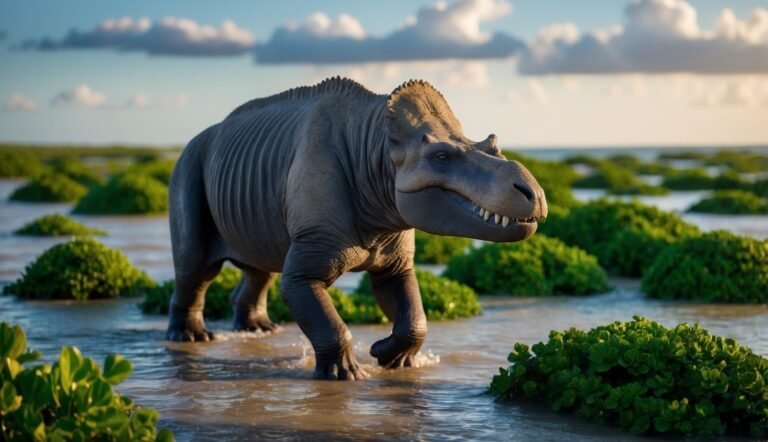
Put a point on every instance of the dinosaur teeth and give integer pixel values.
(504, 221)
(497, 218)
(486, 215)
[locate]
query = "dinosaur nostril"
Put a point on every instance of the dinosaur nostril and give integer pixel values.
(525, 190)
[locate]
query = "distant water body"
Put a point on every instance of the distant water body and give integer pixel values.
(644, 153)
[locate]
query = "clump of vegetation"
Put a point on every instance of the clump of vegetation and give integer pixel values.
(56, 225)
(733, 202)
(79, 269)
(539, 266)
(644, 378)
(442, 298)
(73, 399)
(158, 169)
(555, 177)
(126, 194)
(683, 155)
(617, 180)
(435, 249)
(49, 188)
(625, 236)
(74, 169)
(699, 179)
(739, 161)
(760, 188)
(352, 309)
(17, 163)
(715, 267)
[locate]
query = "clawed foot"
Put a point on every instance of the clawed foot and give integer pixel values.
(250, 321)
(395, 352)
(188, 329)
(343, 367)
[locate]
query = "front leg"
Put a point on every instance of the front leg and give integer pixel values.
(398, 296)
(307, 275)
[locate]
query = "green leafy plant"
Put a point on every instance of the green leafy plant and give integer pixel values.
(699, 179)
(717, 266)
(56, 225)
(74, 169)
(80, 269)
(538, 266)
(734, 202)
(625, 236)
(126, 194)
(555, 177)
(739, 161)
(49, 188)
(435, 249)
(644, 378)
(442, 298)
(18, 163)
(158, 169)
(73, 399)
(617, 180)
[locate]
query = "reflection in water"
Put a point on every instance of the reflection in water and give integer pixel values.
(259, 386)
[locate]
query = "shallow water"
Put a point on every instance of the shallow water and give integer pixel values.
(251, 386)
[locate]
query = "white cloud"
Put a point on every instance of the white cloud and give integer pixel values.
(735, 92)
(167, 36)
(658, 36)
(19, 103)
(438, 31)
(83, 96)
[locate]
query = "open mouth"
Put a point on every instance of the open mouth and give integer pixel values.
(486, 215)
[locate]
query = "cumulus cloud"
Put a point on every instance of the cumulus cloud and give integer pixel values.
(83, 96)
(167, 36)
(19, 103)
(658, 36)
(438, 31)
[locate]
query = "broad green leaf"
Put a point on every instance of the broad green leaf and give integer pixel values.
(116, 369)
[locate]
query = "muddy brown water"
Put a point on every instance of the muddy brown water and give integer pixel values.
(248, 386)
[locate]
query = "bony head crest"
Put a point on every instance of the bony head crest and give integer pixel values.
(414, 105)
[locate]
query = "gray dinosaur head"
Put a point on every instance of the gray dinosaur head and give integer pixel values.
(447, 184)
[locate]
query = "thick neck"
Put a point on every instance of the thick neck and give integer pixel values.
(373, 176)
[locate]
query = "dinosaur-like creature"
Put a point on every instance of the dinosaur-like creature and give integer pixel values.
(320, 180)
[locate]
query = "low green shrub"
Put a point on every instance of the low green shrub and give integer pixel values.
(644, 378)
(683, 155)
(74, 169)
(73, 399)
(760, 187)
(158, 169)
(617, 180)
(126, 194)
(715, 267)
(699, 179)
(49, 188)
(733, 202)
(739, 161)
(351, 308)
(538, 266)
(624, 236)
(442, 298)
(555, 177)
(79, 269)
(435, 249)
(56, 225)
(16, 164)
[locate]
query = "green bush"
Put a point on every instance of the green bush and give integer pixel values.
(739, 161)
(79, 269)
(49, 188)
(717, 266)
(435, 249)
(644, 378)
(760, 188)
(74, 169)
(617, 180)
(555, 177)
(158, 169)
(699, 179)
(624, 236)
(15, 164)
(539, 266)
(733, 202)
(442, 298)
(683, 155)
(126, 194)
(73, 399)
(351, 308)
(56, 225)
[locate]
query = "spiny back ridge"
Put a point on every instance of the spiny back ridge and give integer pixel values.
(333, 85)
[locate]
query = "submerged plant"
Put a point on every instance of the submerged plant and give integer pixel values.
(73, 399)
(79, 269)
(49, 188)
(644, 378)
(126, 194)
(435, 249)
(625, 236)
(56, 225)
(716, 267)
(539, 266)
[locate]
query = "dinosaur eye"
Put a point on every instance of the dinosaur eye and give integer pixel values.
(442, 156)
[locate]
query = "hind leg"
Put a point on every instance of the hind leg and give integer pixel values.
(185, 321)
(249, 301)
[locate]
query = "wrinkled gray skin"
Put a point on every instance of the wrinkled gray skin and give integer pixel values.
(321, 180)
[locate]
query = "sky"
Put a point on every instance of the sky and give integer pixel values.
(538, 74)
